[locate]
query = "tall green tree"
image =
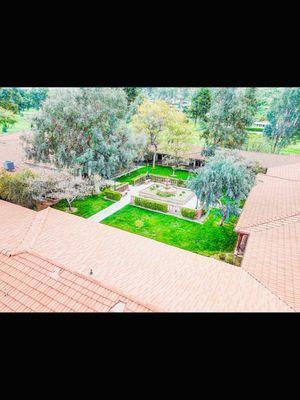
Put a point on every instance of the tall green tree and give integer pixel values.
(8, 111)
(230, 114)
(223, 182)
(200, 105)
(150, 121)
(83, 129)
(132, 93)
(251, 101)
(284, 119)
(36, 97)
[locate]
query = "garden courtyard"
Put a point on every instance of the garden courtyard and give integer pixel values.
(203, 236)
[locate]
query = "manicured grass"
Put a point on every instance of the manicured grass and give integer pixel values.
(207, 239)
(158, 170)
(85, 207)
(23, 122)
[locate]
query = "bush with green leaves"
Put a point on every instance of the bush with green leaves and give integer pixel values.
(151, 204)
(188, 213)
(17, 187)
(112, 194)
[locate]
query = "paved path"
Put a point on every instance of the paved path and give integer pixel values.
(119, 204)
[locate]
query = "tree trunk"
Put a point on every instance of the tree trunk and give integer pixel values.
(69, 205)
(154, 157)
(223, 218)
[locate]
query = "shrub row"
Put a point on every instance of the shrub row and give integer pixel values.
(162, 179)
(112, 195)
(188, 213)
(151, 204)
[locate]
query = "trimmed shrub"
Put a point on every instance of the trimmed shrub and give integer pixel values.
(188, 213)
(181, 183)
(112, 195)
(229, 259)
(151, 204)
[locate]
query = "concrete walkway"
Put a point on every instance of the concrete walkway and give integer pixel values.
(133, 191)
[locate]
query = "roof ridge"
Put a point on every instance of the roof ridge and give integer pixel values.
(32, 233)
(287, 217)
(93, 280)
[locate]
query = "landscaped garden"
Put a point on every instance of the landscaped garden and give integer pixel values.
(85, 207)
(158, 170)
(207, 238)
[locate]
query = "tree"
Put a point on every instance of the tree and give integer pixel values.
(83, 129)
(16, 96)
(177, 136)
(72, 187)
(284, 119)
(231, 112)
(8, 111)
(223, 183)
(251, 101)
(151, 120)
(200, 105)
(36, 97)
(132, 93)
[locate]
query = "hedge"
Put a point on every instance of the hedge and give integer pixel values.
(188, 212)
(112, 195)
(151, 204)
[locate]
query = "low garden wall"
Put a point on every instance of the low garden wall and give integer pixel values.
(157, 178)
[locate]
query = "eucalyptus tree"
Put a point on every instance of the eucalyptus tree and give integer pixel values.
(223, 183)
(83, 129)
(284, 119)
(200, 105)
(230, 113)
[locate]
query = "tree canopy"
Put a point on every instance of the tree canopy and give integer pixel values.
(200, 105)
(284, 119)
(151, 120)
(223, 182)
(83, 129)
(232, 110)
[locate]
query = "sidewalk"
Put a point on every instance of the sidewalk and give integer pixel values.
(133, 191)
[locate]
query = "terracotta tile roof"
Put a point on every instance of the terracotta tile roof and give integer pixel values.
(267, 160)
(29, 283)
(272, 256)
(290, 172)
(15, 222)
(271, 218)
(161, 276)
(271, 202)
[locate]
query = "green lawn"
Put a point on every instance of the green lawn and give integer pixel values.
(257, 142)
(23, 122)
(85, 207)
(158, 170)
(207, 239)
